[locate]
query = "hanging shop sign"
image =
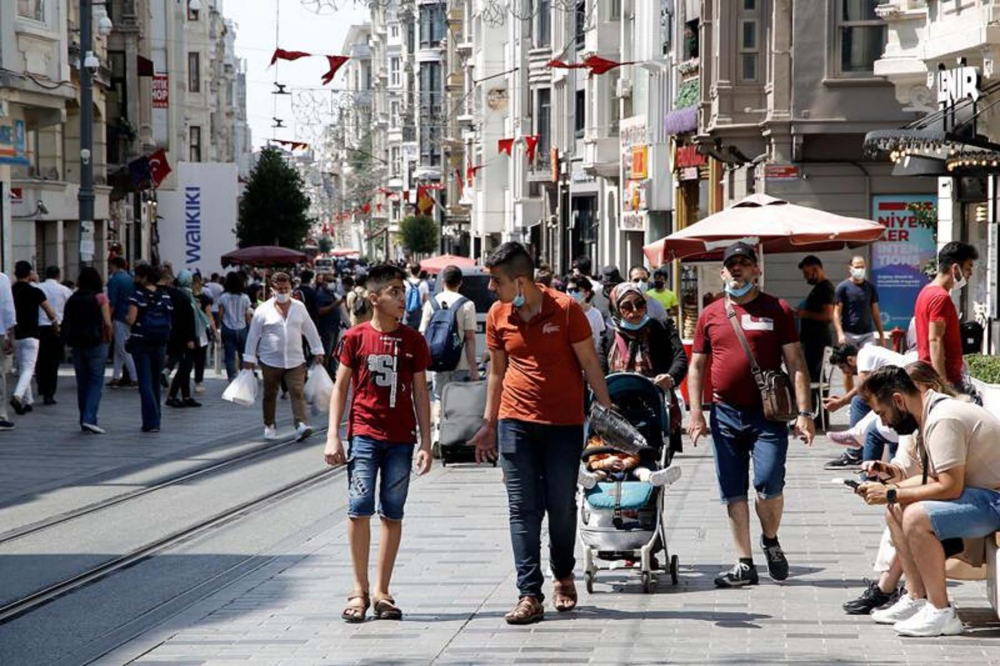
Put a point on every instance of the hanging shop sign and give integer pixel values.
(634, 221)
(898, 258)
(13, 143)
(687, 157)
(161, 91)
(640, 163)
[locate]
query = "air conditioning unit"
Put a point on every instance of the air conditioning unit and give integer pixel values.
(624, 89)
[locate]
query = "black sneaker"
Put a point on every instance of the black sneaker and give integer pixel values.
(190, 402)
(777, 565)
(18, 406)
(6, 425)
(873, 597)
(173, 402)
(739, 576)
(845, 461)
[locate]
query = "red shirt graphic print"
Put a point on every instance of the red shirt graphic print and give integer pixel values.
(383, 365)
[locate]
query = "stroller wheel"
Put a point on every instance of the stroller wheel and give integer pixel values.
(588, 580)
(647, 582)
(674, 566)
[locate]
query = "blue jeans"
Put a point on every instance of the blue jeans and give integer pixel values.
(859, 409)
(233, 342)
(975, 513)
(739, 435)
(874, 443)
(540, 464)
(148, 366)
(370, 460)
(88, 362)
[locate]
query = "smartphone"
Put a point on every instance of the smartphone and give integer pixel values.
(851, 483)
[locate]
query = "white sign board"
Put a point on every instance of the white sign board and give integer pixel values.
(199, 218)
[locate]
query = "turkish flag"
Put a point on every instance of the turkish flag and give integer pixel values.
(336, 62)
(505, 145)
(282, 54)
(470, 173)
(159, 168)
(425, 204)
(530, 144)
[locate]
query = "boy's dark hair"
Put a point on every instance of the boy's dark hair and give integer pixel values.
(452, 276)
(380, 275)
(347, 281)
(841, 353)
(234, 283)
(512, 260)
(118, 261)
(90, 280)
(888, 380)
(638, 267)
(306, 276)
(582, 282)
(583, 264)
(414, 269)
(955, 252)
(148, 272)
(22, 269)
(52, 273)
(661, 272)
(281, 277)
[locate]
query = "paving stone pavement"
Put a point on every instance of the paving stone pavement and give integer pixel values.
(455, 580)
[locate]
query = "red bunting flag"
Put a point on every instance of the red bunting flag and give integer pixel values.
(367, 208)
(461, 181)
(596, 64)
(378, 207)
(505, 146)
(530, 144)
(425, 203)
(336, 62)
(282, 54)
(470, 173)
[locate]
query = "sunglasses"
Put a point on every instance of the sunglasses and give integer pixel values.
(632, 306)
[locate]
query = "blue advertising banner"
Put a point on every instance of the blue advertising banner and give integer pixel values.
(13, 144)
(899, 257)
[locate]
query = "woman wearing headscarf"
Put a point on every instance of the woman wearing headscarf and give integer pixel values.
(638, 343)
(188, 328)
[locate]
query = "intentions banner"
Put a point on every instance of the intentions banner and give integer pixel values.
(899, 257)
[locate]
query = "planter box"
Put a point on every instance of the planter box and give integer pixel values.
(990, 394)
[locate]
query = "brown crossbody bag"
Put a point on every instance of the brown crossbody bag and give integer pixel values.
(776, 391)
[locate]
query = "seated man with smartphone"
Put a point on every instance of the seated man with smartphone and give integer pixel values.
(956, 497)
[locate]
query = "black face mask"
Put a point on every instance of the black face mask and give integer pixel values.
(903, 423)
(658, 284)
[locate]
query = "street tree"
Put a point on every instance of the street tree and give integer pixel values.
(325, 244)
(419, 234)
(273, 207)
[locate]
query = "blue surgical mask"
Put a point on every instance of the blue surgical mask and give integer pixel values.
(577, 295)
(629, 326)
(739, 292)
(518, 301)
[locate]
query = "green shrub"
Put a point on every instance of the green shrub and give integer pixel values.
(984, 368)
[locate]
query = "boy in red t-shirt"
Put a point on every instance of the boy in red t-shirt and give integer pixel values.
(385, 363)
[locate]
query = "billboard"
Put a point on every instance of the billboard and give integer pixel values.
(899, 257)
(198, 219)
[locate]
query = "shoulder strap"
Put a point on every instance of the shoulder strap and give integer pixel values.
(924, 456)
(754, 368)
(435, 306)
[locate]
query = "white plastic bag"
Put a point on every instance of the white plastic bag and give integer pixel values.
(319, 388)
(242, 390)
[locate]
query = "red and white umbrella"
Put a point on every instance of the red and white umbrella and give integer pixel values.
(772, 224)
(435, 265)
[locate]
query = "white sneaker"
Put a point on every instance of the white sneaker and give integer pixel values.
(931, 621)
(665, 477)
(303, 432)
(270, 432)
(903, 609)
(90, 427)
(586, 479)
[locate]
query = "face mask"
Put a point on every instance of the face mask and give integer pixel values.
(629, 326)
(577, 295)
(960, 281)
(282, 297)
(858, 273)
(658, 284)
(738, 292)
(904, 425)
(518, 301)
(642, 285)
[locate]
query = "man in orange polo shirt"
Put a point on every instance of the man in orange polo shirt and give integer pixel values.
(540, 348)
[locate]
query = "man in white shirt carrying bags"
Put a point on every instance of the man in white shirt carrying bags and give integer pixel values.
(275, 341)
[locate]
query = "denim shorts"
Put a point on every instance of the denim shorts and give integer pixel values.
(739, 435)
(975, 513)
(370, 459)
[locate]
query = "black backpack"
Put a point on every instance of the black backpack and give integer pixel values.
(442, 335)
(83, 323)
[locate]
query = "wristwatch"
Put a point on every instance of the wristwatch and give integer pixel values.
(890, 496)
(808, 415)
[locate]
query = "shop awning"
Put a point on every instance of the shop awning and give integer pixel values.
(682, 121)
(435, 265)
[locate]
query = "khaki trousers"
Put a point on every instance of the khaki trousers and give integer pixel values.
(295, 379)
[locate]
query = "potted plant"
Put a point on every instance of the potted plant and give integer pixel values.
(985, 373)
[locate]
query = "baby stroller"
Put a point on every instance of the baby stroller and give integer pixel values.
(623, 520)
